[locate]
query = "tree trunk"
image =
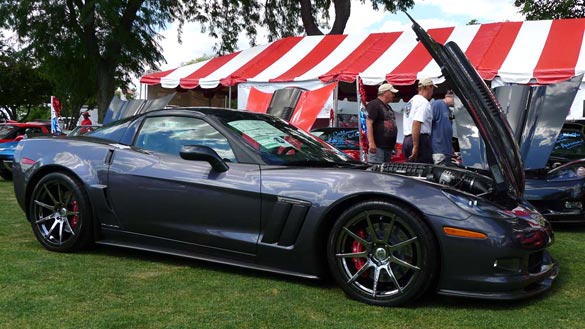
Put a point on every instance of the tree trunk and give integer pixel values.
(106, 88)
(309, 23)
(342, 12)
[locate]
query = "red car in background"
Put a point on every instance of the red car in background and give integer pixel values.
(15, 131)
(347, 140)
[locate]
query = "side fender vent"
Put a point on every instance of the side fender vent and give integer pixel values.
(285, 221)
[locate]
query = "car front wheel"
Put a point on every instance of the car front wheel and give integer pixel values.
(382, 253)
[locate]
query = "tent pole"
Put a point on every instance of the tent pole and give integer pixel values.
(361, 121)
(335, 105)
(229, 98)
(357, 91)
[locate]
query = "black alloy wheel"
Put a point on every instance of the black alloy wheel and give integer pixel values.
(59, 213)
(382, 253)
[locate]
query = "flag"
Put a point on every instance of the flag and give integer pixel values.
(55, 115)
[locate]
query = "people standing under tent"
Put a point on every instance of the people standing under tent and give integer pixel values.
(381, 125)
(417, 124)
(442, 130)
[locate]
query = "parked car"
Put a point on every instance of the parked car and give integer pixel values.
(15, 131)
(249, 189)
(347, 140)
(536, 115)
(558, 190)
(6, 159)
(570, 145)
(7, 149)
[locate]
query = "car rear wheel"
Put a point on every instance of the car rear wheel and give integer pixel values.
(59, 213)
(382, 253)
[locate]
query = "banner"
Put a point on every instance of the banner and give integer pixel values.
(55, 115)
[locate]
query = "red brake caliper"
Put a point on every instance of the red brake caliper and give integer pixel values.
(75, 218)
(356, 247)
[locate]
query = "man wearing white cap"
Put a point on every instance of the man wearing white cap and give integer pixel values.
(381, 125)
(417, 124)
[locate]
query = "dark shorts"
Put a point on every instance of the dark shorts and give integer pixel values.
(425, 149)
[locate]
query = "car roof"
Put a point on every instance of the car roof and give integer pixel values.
(27, 124)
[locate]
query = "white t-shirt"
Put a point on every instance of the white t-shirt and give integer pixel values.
(417, 109)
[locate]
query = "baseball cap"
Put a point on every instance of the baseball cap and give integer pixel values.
(387, 86)
(86, 114)
(426, 82)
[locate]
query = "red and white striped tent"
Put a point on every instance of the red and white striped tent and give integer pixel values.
(514, 52)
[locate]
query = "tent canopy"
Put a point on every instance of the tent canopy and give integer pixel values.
(516, 52)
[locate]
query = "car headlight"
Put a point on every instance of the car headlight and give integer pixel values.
(476, 206)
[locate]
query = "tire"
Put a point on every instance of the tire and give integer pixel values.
(5, 174)
(60, 215)
(382, 253)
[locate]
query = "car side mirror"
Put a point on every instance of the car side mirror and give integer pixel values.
(204, 153)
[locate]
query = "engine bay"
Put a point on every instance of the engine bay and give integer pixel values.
(460, 178)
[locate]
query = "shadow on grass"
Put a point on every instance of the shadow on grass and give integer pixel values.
(450, 302)
(569, 227)
(121, 252)
(430, 300)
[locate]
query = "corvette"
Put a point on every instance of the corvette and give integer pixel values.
(251, 190)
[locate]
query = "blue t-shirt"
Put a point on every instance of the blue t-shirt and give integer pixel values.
(442, 131)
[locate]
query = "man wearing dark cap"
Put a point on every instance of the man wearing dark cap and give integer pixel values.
(381, 125)
(417, 124)
(442, 132)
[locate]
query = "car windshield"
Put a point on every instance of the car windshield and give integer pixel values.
(82, 130)
(343, 139)
(278, 142)
(570, 142)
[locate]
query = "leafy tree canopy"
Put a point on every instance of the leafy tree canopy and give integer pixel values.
(22, 86)
(89, 47)
(225, 20)
(551, 9)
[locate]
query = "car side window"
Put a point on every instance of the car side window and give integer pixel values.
(169, 134)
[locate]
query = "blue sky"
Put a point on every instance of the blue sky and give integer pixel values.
(363, 20)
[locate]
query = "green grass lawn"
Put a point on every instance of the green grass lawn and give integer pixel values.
(118, 288)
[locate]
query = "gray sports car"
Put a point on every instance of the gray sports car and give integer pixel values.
(251, 190)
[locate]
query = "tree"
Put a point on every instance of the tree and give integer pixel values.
(198, 59)
(551, 9)
(89, 47)
(22, 86)
(225, 20)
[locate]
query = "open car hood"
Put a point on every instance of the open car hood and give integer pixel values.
(536, 115)
(119, 109)
(502, 153)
